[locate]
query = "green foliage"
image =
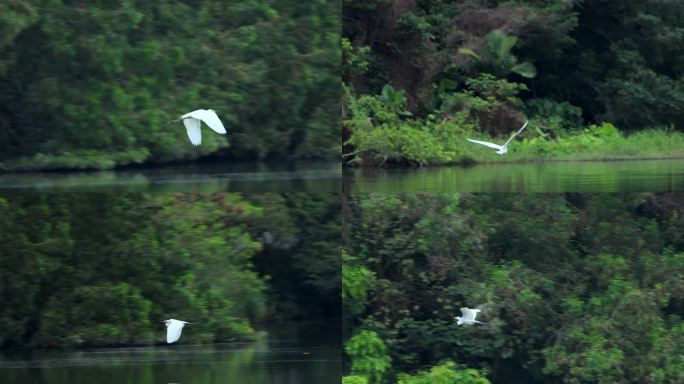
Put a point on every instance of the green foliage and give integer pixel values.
(92, 86)
(552, 118)
(572, 287)
(624, 68)
(379, 131)
(368, 354)
(355, 283)
(444, 374)
(107, 314)
(77, 159)
(111, 267)
(486, 102)
(382, 132)
(381, 135)
(354, 379)
(107, 269)
(602, 142)
(496, 57)
(605, 343)
(15, 17)
(394, 100)
(355, 60)
(300, 235)
(607, 61)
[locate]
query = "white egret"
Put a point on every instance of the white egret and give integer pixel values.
(468, 316)
(173, 329)
(500, 149)
(194, 119)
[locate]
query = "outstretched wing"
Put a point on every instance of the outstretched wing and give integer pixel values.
(173, 331)
(467, 314)
(210, 119)
(516, 133)
(191, 114)
(485, 143)
(192, 125)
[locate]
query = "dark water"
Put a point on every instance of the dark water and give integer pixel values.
(194, 177)
(578, 176)
(294, 353)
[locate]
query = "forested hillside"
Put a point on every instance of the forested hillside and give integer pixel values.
(93, 84)
(574, 288)
(596, 78)
(107, 269)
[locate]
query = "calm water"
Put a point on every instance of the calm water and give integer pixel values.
(194, 177)
(302, 353)
(578, 176)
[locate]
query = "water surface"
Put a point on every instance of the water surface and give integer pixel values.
(294, 353)
(575, 176)
(192, 177)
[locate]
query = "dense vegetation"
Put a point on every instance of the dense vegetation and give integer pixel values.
(93, 84)
(300, 234)
(422, 75)
(107, 269)
(575, 288)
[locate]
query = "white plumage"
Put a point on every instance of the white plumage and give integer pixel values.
(468, 316)
(193, 121)
(500, 149)
(173, 329)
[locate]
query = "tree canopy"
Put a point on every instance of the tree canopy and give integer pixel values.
(107, 269)
(92, 84)
(573, 287)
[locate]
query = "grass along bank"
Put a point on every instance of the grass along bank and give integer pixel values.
(444, 143)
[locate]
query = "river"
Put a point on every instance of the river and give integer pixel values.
(292, 353)
(285, 176)
(566, 176)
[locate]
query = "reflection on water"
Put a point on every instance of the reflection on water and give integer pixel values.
(578, 176)
(194, 177)
(294, 353)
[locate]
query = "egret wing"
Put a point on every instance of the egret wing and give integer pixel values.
(192, 125)
(516, 133)
(173, 331)
(485, 143)
(210, 119)
(467, 314)
(191, 114)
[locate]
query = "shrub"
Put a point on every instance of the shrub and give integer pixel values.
(369, 357)
(445, 373)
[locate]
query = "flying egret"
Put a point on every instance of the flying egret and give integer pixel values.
(500, 149)
(468, 316)
(173, 329)
(193, 120)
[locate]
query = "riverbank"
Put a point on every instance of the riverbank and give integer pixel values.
(594, 143)
(79, 160)
(197, 176)
(292, 353)
(90, 160)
